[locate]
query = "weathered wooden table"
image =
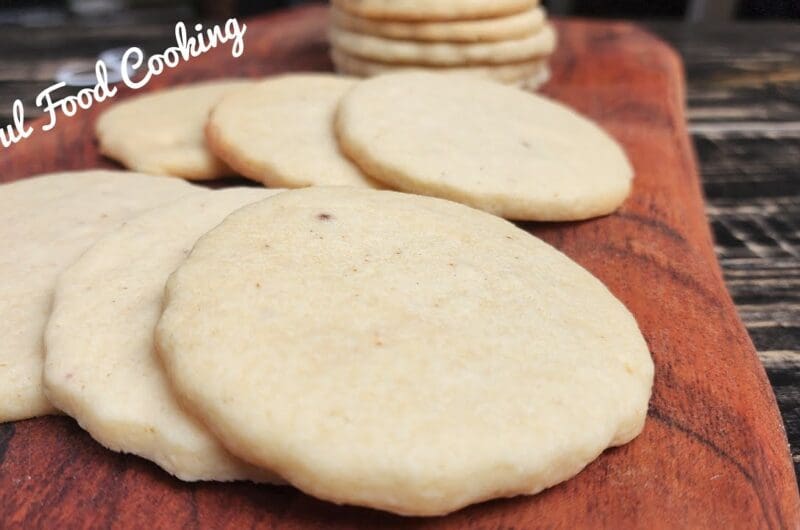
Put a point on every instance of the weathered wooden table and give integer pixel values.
(744, 110)
(744, 114)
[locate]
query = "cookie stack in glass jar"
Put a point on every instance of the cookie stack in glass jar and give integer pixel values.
(506, 40)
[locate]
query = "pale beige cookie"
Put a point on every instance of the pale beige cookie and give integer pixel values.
(531, 73)
(426, 10)
(162, 132)
(538, 45)
(280, 132)
(497, 148)
(46, 222)
(514, 26)
(400, 352)
(101, 367)
(536, 81)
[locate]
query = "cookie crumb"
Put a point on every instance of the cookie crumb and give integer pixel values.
(324, 216)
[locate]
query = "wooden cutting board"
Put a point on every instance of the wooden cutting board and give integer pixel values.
(713, 453)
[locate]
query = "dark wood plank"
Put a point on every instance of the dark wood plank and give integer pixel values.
(744, 101)
(713, 453)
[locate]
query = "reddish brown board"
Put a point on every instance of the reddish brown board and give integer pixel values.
(713, 453)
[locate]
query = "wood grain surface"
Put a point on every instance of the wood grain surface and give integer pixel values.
(713, 453)
(744, 115)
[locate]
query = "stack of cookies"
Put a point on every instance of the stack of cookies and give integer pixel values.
(506, 40)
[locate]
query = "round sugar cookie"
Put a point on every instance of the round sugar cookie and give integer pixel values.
(513, 26)
(400, 352)
(46, 222)
(162, 132)
(530, 73)
(101, 367)
(497, 148)
(538, 45)
(280, 132)
(425, 10)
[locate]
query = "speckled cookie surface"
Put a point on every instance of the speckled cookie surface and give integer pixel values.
(101, 367)
(46, 223)
(280, 132)
(433, 9)
(531, 74)
(400, 352)
(537, 45)
(513, 26)
(497, 148)
(162, 132)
